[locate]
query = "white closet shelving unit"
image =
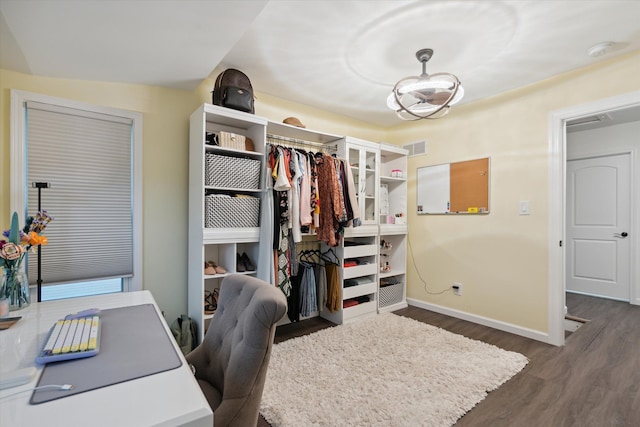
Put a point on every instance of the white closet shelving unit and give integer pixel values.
(359, 281)
(223, 242)
(393, 228)
(360, 244)
(381, 194)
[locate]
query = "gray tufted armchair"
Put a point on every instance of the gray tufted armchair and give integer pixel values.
(231, 363)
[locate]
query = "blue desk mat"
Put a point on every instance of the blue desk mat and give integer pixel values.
(133, 344)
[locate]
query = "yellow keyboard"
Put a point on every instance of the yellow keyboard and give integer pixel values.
(73, 337)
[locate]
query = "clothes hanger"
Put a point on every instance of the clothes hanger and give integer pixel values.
(329, 251)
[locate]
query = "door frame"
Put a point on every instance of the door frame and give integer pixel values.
(557, 206)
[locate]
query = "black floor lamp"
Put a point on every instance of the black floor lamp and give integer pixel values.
(40, 186)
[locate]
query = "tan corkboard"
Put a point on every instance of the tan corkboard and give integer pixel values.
(469, 186)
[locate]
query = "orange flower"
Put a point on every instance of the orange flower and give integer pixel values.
(35, 239)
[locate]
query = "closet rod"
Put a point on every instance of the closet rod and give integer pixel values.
(285, 140)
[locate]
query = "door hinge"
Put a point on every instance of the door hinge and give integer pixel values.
(560, 243)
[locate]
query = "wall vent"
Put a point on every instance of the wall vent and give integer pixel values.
(589, 120)
(416, 148)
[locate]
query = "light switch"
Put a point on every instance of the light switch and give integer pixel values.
(524, 207)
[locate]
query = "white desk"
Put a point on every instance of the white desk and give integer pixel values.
(170, 398)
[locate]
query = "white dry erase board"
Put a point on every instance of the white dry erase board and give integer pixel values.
(454, 188)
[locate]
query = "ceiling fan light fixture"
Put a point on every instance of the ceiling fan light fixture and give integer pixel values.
(425, 96)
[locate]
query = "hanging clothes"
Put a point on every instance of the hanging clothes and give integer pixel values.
(293, 299)
(321, 285)
(330, 208)
(308, 301)
(315, 193)
(343, 215)
(305, 190)
(294, 206)
(281, 186)
(284, 275)
(315, 197)
(334, 297)
(266, 270)
(353, 197)
(283, 182)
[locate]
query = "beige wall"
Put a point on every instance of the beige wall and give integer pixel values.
(165, 162)
(501, 258)
(276, 110)
(165, 157)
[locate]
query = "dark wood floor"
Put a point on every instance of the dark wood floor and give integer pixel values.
(593, 381)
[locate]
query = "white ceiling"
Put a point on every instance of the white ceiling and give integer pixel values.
(340, 56)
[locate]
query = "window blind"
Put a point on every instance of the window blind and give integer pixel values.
(86, 157)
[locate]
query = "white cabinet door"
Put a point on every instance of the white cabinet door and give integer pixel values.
(364, 163)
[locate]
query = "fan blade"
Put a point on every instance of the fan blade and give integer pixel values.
(438, 98)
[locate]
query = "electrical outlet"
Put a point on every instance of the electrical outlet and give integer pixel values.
(457, 288)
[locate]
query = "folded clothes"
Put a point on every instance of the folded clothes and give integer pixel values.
(357, 281)
(349, 303)
(350, 282)
(389, 282)
(354, 262)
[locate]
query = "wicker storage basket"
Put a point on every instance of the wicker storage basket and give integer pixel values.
(232, 140)
(391, 294)
(231, 212)
(232, 172)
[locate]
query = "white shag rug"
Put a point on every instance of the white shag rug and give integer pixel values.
(386, 370)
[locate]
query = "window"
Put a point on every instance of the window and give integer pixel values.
(91, 158)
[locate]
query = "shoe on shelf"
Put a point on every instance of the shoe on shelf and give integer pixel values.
(248, 264)
(210, 301)
(212, 268)
(209, 270)
(240, 267)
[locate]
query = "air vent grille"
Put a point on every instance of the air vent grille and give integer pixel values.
(416, 148)
(598, 118)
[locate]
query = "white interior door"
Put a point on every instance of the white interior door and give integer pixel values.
(598, 216)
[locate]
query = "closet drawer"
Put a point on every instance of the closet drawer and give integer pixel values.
(356, 291)
(360, 250)
(359, 310)
(360, 270)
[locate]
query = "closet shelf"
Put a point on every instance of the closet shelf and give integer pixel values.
(233, 152)
(356, 291)
(391, 273)
(391, 229)
(304, 134)
(233, 190)
(225, 235)
(392, 179)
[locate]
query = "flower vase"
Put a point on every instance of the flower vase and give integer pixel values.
(14, 286)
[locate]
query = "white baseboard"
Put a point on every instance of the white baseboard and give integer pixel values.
(485, 321)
